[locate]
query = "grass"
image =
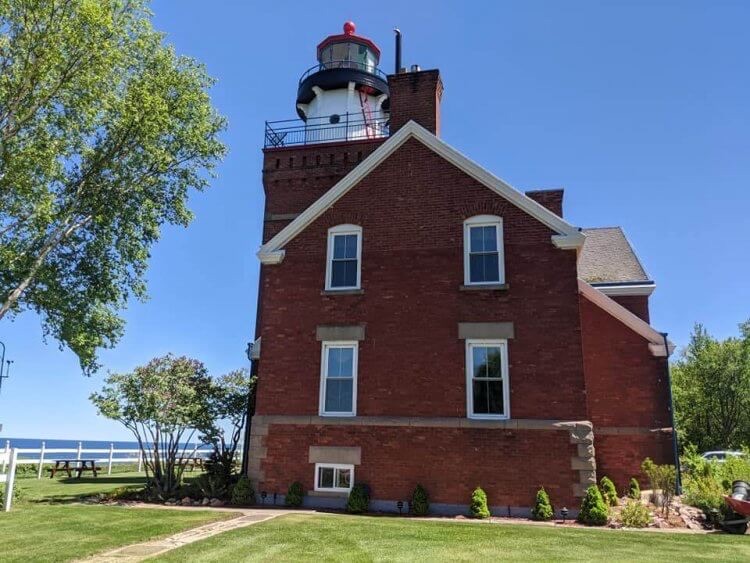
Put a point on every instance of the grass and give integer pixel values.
(301, 537)
(49, 523)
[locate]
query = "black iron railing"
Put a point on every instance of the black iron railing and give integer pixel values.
(344, 127)
(330, 65)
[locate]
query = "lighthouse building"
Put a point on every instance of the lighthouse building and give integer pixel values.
(421, 321)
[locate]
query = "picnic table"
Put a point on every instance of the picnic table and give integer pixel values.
(77, 465)
(191, 463)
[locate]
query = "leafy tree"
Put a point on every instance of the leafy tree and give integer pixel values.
(228, 401)
(712, 390)
(594, 511)
(420, 501)
(162, 404)
(104, 130)
(542, 507)
(359, 499)
(634, 489)
(295, 495)
(609, 492)
(478, 507)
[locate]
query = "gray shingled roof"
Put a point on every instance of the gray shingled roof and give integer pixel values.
(607, 257)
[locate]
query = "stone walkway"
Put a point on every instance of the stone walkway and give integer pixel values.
(140, 551)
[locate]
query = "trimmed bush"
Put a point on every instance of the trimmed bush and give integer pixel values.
(294, 494)
(242, 492)
(359, 499)
(635, 515)
(594, 511)
(609, 492)
(478, 507)
(542, 508)
(634, 489)
(420, 502)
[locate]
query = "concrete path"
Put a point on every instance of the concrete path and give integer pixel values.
(140, 551)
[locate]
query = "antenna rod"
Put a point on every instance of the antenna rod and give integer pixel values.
(397, 31)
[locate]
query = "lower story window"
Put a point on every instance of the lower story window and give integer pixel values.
(333, 477)
(487, 378)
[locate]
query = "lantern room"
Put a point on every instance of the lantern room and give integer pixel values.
(346, 90)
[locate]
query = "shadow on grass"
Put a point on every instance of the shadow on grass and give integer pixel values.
(70, 489)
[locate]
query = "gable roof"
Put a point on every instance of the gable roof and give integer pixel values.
(633, 322)
(567, 237)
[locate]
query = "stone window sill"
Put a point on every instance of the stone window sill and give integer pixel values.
(342, 292)
(487, 287)
(327, 494)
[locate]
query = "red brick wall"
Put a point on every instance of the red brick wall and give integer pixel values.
(619, 456)
(411, 362)
(448, 462)
(626, 386)
(636, 304)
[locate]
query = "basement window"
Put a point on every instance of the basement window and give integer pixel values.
(334, 477)
(338, 379)
(343, 268)
(487, 379)
(483, 250)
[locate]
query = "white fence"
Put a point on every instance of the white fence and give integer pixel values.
(110, 456)
(8, 459)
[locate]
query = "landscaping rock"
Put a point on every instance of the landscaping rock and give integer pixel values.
(187, 501)
(216, 502)
(206, 501)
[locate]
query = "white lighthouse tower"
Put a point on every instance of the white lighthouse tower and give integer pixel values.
(344, 96)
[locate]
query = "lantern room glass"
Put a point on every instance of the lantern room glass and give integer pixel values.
(348, 54)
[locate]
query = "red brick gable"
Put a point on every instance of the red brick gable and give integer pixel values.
(411, 209)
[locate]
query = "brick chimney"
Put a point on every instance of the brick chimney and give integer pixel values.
(551, 199)
(416, 96)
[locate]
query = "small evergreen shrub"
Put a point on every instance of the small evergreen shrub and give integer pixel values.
(634, 489)
(662, 478)
(635, 515)
(542, 508)
(478, 507)
(420, 502)
(242, 493)
(294, 494)
(359, 499)
(594, 511)
(609, 492)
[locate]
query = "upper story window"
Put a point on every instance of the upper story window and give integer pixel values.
(483, 250)
(343, 267)
(487, 379)
(338, 379)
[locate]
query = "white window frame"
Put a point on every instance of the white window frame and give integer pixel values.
(327, 345)
(335, 466)
(481, 343)
(484, 221)
(343, 230)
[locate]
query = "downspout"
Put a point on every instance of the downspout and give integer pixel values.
(678, 471)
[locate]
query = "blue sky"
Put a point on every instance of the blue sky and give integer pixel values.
(639, 109)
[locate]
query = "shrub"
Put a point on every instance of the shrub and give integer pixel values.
(420, 502)
(594, 511)
(704, 492)
(478, 507)
(294, 494)
(662, 478)
(242, 492)
(359, 499)
(635, 515)
(542, 508)
(609, 492)
(634, 489)
(212, 485)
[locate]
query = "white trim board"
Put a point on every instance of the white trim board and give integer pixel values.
(567, 236)
(633, 322)
(623, 290)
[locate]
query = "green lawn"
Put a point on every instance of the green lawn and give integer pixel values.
(340, 538)
(48, 524)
